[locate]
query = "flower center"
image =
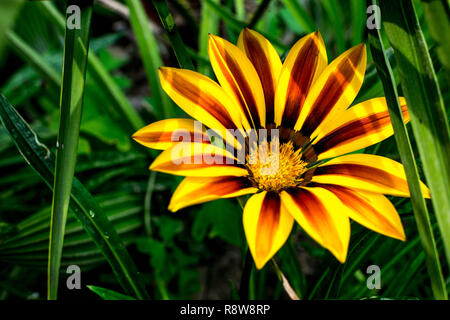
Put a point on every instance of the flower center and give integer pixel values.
(274, 168)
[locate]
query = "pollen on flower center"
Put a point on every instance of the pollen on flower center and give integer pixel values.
(275, 168)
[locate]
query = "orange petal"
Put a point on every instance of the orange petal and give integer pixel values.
(366, 172)
(267, 226)
(200, 97)
(304, 63)
(199, 160)
(334, 90)
(267, 63)
(372, 210)
(239, 79)
(164, 134)
(322, 215)
(195, 190)
(360, 126)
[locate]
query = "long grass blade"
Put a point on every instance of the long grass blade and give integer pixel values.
(172, 33)
(76, 48)
(150, 56)
(30, 55)
(82, 204)
(436, 13)
(428, 117)
(107, 294)
(412, 174)
(300, 15)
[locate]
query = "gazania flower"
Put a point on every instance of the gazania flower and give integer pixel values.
(317, 184)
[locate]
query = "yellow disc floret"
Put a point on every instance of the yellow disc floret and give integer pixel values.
(276, 169)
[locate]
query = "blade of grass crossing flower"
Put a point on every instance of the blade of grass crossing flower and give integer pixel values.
(76, 47)
(412, 174)
(99, 73)
(172, 33)
(426, 108)
(82, 204)
(148, 48)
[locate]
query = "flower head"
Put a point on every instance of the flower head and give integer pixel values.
(299, 169)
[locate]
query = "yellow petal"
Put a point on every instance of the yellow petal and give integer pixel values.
(199, 160)
(267, 226)
(195, 190)
(267, 63)
(164, 134)
(372, 210)
(305, 62)
(334, 90)
(322, 215)
(200, 97)
(366, 172)
(360, 126)
(239, 79)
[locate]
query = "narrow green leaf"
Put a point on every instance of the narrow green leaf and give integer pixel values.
(412, 174)
(301, 15)
(358, 11)
(436, 13)
(428, 117)
(148, 48)
(209, 24)
(333, 9)
(107, 294)
(76, 49)
(32, 57)
(172, 33)
(81, 203)
(240, 9)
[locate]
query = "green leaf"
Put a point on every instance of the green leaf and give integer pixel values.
(428, 117)
(81, 203)
(34, 58)
(76, 49)
(300, 15)
(149, 50)
(407, 156)
(172, 33)
(107, 294)
(436, 13)
(8, 12)
(209, 24)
